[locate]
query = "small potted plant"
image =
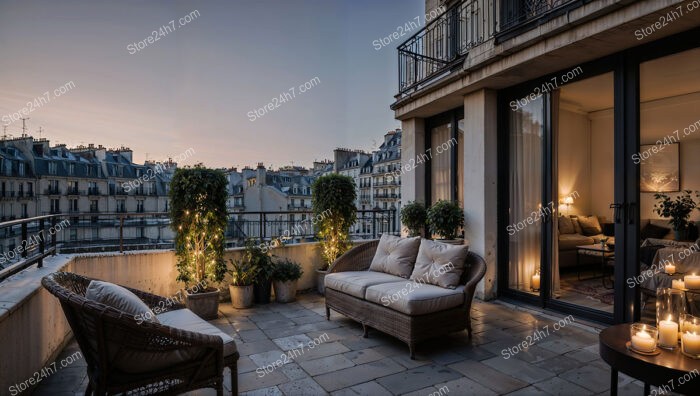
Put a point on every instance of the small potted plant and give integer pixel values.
(198, 218)
(445, 218)
(242, 279)
(678, 211)
(333, 203)
(413, 217)
(258, 257)
(285, 278)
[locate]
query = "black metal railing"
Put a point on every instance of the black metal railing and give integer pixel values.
(446, 40)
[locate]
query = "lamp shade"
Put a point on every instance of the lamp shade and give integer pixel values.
(568, 200)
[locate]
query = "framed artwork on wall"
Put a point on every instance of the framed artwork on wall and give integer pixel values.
(660, 170)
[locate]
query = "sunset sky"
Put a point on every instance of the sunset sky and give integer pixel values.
(194, 86)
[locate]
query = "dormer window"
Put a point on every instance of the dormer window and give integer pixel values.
(71, 169)
(53, 168)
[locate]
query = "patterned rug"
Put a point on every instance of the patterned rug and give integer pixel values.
(592, 288)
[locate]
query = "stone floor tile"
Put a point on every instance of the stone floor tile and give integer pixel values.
(326, 364)
(559, 364)
(276, 324)
(417, 378)
(582, 355)
(528, 391)
(488, 377)
(274, 357)
(253, 380)
(406, 361)
(297, 341)
(271, 391)
(519, 369)
(245, 364)
(249, 348)
(368, 388)
(293, 371)
(301, 320)
(535, 354)
(463, 386)
(356, 375)
(252, 335)
(364, 356)
(561, 387)
(589, 377)
(562, 345)
(302, 387)
(319, 351)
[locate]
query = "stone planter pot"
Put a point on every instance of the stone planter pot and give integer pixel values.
(320, 281)
(205, 305)
(241, 296)
(285, 291)
(458, 241)
(261, 291)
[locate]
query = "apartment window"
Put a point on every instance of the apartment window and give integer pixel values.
(73, 187)
(139, 172)
(95, 234)
(55, 205)
(21, 189)
(30, 188)
(152, 188)
(71, 169)
(94, 205)
(385, 205)
(73, 205)
(73, 235)
(53, 186)
(21, 168)
(91, 170)
(53, 168)
(139, 205)
(25, 212)
(121, 205)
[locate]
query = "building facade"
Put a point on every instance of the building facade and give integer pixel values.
(543, 102)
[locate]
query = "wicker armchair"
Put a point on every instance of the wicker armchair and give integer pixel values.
(409, 328)
(102, 331)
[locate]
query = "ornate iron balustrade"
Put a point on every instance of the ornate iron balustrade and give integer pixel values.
(515, 13)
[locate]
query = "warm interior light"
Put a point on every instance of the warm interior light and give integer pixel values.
(568, 201)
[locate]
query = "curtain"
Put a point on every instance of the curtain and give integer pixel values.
(440, 164)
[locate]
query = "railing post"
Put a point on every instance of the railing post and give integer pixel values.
(53, 236)
(42, 247)
(374, 223)
(24, 240)
(121, 234)
(261, 231)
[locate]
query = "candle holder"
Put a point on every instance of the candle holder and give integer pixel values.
(643, 338)
(670, 305)
(690, 336)
(535, 282)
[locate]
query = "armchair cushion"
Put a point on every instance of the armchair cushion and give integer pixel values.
(413, 298)
(120, 298)
(566, 226)
(653, 231)
(185, 319)
(355, 283)
(395, 255)
(590, 225)
(440, 264)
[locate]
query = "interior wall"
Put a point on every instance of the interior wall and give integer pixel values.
(602, 163)
(574, 150)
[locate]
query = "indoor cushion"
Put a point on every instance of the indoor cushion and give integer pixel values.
(577, 225)
(395, 255)
(590, 225)
(653, 231)
(570, 241)
(414, 298)
(566, 226)
(440, 264)
(120, 298)
(355, 283)
(187, 320)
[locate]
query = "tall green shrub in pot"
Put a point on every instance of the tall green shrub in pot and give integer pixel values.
(445, 218)
(333, 202)
(414, 217)
(198, 218)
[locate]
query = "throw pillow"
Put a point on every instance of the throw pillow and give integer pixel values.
(590, 225)
(566, 226)
(120, 298)
(653, 231)
(440, 264)
(395, 255)
(577, 226)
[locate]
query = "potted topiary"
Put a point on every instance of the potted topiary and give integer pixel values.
(413, 217)
(198, 218)
(678, 211)
(445, 218)
(333, 202)
(285, 278)
(242, 279)
(257, 255)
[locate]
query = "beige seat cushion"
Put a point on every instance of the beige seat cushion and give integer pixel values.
(577, 225)
(566, 226)
(187, 320)
(355, 283)
(440, 264)
(414, 298)
(395, 255)
(570, 241)
(590, 225)
(120, 298)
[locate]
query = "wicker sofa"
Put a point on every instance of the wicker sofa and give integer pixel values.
(442, 311)
(125, 355)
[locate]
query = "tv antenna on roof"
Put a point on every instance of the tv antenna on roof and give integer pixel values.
(24, 126)
(40, 130)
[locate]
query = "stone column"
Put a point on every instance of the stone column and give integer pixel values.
(412, 145)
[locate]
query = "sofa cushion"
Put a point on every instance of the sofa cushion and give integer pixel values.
(355, 283)
(652, 230)
(187, 320)
(577, 225)
(120, 298)
(570, 241)
(413, 298)
(590, 225)
(395, 255)
(440, 264)
(566, 226)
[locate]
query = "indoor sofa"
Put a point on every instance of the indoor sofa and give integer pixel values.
(384, 285)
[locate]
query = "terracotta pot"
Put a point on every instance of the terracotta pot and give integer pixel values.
(285, 291)
(205, 305)
(320, 281)
(241, 296)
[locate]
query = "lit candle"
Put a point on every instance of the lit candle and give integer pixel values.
(691, 343)
(670, 269)
(692, 281)
(643, 342)
(678, 284)
(536, 281)
(668, 333)
(690, 326)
